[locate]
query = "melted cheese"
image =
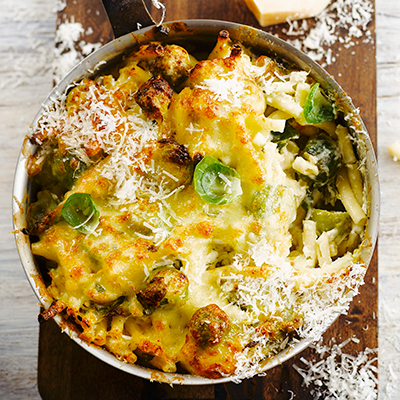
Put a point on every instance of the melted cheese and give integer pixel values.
(247, 257)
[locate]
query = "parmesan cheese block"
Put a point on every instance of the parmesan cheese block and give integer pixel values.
(270, 12)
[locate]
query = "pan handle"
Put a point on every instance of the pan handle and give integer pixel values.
(127, 15)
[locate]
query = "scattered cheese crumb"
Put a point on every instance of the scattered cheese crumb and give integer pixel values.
(277, 292)
(394, 150)
(336, 375)
(70, 49)
(60, 5)
(343, 21)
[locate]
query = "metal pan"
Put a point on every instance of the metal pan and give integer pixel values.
(195, 34)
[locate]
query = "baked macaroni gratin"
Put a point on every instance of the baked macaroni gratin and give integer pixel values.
(197, 216)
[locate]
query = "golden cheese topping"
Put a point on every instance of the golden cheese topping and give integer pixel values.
(203, 213)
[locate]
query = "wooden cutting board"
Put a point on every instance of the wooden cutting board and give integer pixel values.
(67, 372)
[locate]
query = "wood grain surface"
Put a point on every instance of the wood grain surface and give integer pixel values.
(66, 371)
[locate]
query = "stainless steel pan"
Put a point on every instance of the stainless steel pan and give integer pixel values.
(194, 34)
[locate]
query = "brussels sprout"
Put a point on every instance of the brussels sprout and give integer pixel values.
(266, 200)
(66, 168)
(281, 324)
(328, 220)
(154, 97)
(175, 64)
(46, 202)
(166, 286)
(317, 107)
(325, 154)
(226, 254)
(172, 163)
(282, 138)
(208, 325)
(81, 212)
(110, 309)
(215, 182)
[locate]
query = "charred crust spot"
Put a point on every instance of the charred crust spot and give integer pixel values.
(152, 248)
(149, 52)
(42, 225)
(38, 138)
(55, 308)
(85, 323)
(155, 292)
(253, 343)
(223, 34)
(161, 85)
(153, 95)
(197, 158)
(156, 49)
(169, 141)
(236, 50)
(45, 222)
(178, 154)
(74, 163)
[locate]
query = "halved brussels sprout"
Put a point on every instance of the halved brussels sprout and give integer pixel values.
(166, 286)
(208, 325)
(317, 107)
(327, 220)
(323, 152)
(215, 182)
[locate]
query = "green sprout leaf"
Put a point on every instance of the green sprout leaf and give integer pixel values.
(317, 107)
(215, 182)
(81, 212)
(327, 156)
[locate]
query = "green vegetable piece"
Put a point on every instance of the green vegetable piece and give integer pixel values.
(100, 288)
(288, 133)
(81, 212)
(208, 325)
(266, 201)
(46, 202)
(317, 107)
(108, 308)
(328, 220)
(166, 286)
(216, 183)
(174, 160)
(66, 168)
(282, 138)
(325, 152)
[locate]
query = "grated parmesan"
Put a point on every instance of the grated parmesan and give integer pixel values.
(272, 295)
(335, 375)
(344, 21)
(70, 48)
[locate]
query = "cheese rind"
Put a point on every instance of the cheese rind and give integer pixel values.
(271, 12)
